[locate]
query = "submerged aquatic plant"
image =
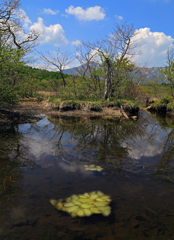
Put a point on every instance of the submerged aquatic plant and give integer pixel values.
(84, 204)
(92, 167)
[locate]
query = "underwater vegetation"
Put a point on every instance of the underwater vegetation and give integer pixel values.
(84, 204)
(93, 168)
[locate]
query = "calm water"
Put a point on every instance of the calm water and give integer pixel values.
(45, 160)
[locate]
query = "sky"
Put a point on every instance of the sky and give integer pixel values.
(65, 23)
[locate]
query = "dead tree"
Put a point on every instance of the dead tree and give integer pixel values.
(59, 60)
(121, 44)
(88, 59)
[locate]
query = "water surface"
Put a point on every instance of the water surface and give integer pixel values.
(46, 160)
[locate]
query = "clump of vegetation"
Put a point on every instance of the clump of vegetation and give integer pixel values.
(111, 99)
(96, 107)
(39, 99)
(70, 105)
(166, 99)
(165, 104)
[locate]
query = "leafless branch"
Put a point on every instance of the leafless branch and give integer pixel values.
(11, 30)
(59, 59)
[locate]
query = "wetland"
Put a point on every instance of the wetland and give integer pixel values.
(46, 160)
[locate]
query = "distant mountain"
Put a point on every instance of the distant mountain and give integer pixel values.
(143, 74)
(73, 71)
(149, 74)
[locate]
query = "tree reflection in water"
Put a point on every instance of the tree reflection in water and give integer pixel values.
(108, 143)
(135, 148)
(13, 157)
(164, 169)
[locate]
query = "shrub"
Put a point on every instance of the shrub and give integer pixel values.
(166, 99)
(111, 99)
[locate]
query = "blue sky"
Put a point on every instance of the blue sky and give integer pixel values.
(65, 23)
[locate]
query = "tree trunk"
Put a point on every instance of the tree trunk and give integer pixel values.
(171, 89)
(64, 83)
(107, 80)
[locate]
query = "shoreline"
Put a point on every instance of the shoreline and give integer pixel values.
(25, 111)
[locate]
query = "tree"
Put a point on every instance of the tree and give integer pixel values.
(122, 43)
(11, 30)
(116, 52)
(14, 44)
(168, 71)
(60, 60)
(89, 71)
(11, 73)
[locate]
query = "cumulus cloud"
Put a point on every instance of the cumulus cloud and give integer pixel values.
(54, 34)
(23, 17)
(153, 46)
(119, 17)
(91, 13)
(49, 11)
(76, 43)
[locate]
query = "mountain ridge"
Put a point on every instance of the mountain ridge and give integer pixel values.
(143, 73)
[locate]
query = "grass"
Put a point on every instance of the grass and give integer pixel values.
(157, 90)
(93, 104)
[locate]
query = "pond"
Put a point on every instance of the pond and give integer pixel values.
(44, 161)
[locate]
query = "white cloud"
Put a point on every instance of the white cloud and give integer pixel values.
(93, 55)
(54, 34)
(49, 11)
(96, 56)
(64, 15)
(24, 18)
(91, 13)
(154, 47)
(76, 43)
(119, 17)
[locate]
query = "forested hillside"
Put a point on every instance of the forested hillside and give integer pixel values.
(42, 74)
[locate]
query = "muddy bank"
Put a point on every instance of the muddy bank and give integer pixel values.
(161, 109)
(26, 110)
(23, 113)
(164, 106)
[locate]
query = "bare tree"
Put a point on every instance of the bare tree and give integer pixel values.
(168, 71)
(11, 30)
(115, 51)
(60, 60)
(85, 57)
(124, 40)
(89, 61)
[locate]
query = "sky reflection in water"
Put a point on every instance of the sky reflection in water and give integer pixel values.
(46, 160)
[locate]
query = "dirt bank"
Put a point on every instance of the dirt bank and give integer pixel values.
(23, 113)
(27, 109)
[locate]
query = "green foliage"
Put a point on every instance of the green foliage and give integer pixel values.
(11, 66)
(8, 94)
(52, 98)
(168, 71)
(39, 99)
(95, 107)
(166, 99)
(121, 76)
(18, 80)
(111, 99)
(42, 79)
(70, 105)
